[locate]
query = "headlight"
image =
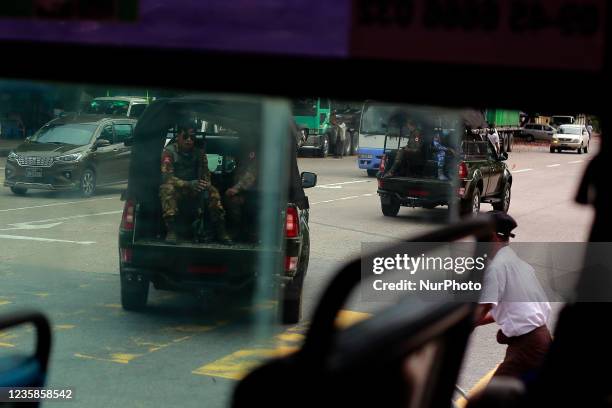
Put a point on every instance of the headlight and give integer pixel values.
(69, 157)
(575, 140)
(12, 156)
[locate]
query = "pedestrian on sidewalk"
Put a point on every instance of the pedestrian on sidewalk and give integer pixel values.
(513, 298)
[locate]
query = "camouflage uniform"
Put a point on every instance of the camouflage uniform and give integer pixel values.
(246, 176)
(180, 171)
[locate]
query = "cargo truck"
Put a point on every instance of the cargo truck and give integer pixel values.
(507, 123)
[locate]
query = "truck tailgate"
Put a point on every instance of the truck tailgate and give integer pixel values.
(416, 187)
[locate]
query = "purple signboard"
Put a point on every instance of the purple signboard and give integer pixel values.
(298, 27)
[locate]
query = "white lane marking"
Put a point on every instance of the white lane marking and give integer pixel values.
(333, 185)
(26, 226)
(521, 171)
(574, 162)
(56, 204)
(553, 165)
(1, 168)
(72, 217)
(21, 238)
(343, 198)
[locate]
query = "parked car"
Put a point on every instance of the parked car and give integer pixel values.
(76, 152)
(571, 137)
(206, 267)
(130, 106)
(537, 131)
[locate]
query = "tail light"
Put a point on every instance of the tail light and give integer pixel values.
(127, 219)
(126, 255)
(463, 171)
(291, 263)
(382, 163)
(292, 223)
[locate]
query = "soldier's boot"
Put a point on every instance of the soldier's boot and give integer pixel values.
(171, 237)
(222, 235)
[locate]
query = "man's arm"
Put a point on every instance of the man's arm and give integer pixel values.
(483, 314)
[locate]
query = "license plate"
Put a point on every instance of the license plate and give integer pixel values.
(33, 172)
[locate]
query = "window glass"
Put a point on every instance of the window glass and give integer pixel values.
(122, 132)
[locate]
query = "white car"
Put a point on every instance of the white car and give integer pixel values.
(537, 131)
(571, 137)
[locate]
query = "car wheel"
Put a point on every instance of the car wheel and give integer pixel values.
(504, 204)
(19, 190)
(372, 173)
(553, 150)
(88, 183)
(134, 294)
(579, 151)
(391, 209)
(586, 148)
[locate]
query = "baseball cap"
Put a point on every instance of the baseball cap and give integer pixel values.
(504, 223)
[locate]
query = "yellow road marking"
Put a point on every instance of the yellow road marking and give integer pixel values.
(5, 302)
(348, 318)
(237, 364)
(120, 358)
(64, 326)
(41, 294)
(480, 385)
(6, 345)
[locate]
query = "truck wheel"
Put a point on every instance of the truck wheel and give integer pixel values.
(324, 150)
(354, 141)
(505, 196)
(134, 294)
(19, 190)
(372, 173)
(510, 143)
(291, 312)
(472, 206)
(391, 209)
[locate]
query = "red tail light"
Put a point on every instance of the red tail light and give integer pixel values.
(127, 219)
(291, 263)
(292, 224)
(463, 171)
(382, 163)
(126, 255)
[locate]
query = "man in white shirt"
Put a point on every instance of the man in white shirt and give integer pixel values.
(493, 137)
(513, 298)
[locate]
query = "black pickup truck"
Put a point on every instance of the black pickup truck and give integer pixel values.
(482, 176)
(229, 128)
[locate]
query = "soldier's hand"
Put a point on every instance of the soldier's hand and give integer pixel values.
(230, 192)
(199, 185)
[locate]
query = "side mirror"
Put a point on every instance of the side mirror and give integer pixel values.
(129, 141)
(101, 143)
(26, 370)
(309, 180)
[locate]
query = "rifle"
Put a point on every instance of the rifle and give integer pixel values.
(201, 231)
